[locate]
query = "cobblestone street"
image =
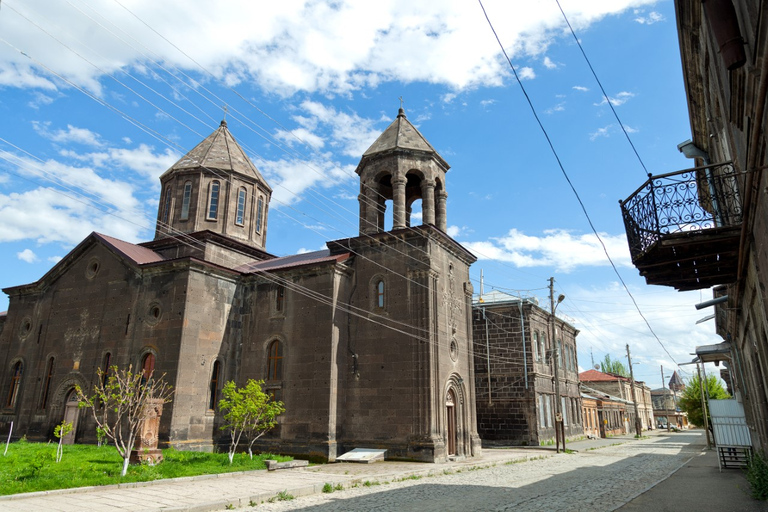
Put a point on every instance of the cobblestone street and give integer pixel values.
(602, 479)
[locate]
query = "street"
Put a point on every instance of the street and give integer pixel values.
(602, 479)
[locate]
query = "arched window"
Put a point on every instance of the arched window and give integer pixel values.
(105, 364)
(543, 347)
(259, 213)
(535, 344)
(147, 366)
(167, 206)
(280, 298)
(13, 392)
(275, 361)
(380, 293)
(213, 201)
(213, 399)
(47, 384)
(186, 198)
(240, 217)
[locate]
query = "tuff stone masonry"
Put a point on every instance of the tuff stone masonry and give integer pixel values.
(514, 372)
(367, 343)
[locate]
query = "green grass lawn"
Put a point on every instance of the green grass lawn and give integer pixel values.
(29, 467)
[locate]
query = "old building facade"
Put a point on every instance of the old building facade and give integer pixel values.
(721, 238)
(367, 343)
(515, 356)
(621, 387)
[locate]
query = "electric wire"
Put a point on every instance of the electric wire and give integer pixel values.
(567, 178)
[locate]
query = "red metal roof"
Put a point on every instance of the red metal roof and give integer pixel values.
(136, 253)
(295, 260)
(596, 376)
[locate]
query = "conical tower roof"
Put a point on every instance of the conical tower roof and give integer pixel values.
(219, 151)
(402, 135)
(676, 383)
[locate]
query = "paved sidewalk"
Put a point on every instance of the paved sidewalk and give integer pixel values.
(699, 485)
(216, 492)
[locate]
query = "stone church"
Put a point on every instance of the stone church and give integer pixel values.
(368, 343)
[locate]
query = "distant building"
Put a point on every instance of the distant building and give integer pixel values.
(621, 387)
(609, 415)
(665, 409)
(514, 371)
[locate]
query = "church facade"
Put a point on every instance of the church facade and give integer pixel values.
(368, 343)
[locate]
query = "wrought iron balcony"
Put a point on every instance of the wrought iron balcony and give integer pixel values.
(684, 227)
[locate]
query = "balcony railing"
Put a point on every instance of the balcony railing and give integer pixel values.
(685, 221)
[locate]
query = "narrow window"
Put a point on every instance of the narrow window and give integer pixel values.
(213, 201)
(105, 364)
(147, 367)
(280, 298)
(240, 218)
(560, 353)
(543, 346)
(47, 385)
(275, 361)
(214, 387)
(536, 351)
(13, 392)
(259, 213)
(380, 294)
(185, 200)
(167, 206)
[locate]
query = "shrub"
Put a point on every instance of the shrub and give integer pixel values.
(757, 475)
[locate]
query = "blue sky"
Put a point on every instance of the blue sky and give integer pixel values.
(98, 98)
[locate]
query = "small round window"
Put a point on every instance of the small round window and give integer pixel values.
(26, 327)
(92, 268)
(153, 314)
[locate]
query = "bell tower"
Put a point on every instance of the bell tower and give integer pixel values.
(215, 187)
(403, 167)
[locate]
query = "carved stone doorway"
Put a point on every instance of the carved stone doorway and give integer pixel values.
(71, 415)
(450, 406)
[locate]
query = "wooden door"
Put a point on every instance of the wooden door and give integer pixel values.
(71, 414)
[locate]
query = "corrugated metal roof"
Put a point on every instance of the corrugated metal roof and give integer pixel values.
(136, 253)
(296, 260)
(596, 376)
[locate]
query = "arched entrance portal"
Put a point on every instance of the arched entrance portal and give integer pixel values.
(451, 434)
(71, 415)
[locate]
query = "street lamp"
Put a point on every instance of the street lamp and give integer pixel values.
(558, 413)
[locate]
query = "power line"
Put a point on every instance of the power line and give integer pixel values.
(567, 178)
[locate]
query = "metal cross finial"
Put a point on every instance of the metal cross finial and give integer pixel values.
(225, 112)
(401, 101)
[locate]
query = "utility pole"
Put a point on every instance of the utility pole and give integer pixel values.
(638, 428)
(556, 360)
(704, 407)
(664, 387)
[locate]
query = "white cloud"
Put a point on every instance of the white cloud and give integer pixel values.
(557, 108)
(580, 88)
(288, 46)
(27, 255)
(605, 131)
(54, 259)
(548, 63)
(650, 19)
(617, 100)
(526, 73)
(72, 134)
(629, 129)
(558, 248)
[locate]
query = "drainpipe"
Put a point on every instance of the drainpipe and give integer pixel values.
(525, 352)
(488, 357)
(691, 150)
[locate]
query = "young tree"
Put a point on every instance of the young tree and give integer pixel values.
(690, 400)
(249, 412)
(608, 365)
(61, 432)
(118, 404)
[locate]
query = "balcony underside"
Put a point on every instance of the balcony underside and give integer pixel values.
(692, 260)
